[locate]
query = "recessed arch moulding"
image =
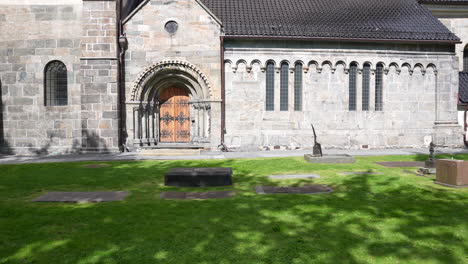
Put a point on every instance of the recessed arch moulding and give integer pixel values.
(143, 105)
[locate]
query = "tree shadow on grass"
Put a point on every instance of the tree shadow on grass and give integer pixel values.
(367, 219)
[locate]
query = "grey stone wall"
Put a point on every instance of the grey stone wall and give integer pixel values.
(459, 26)
(81, 34)
(420, 87)
(196, 43)
(99, 77)
(420, 81)
(99, 29)
(30, 37)
(99, 105)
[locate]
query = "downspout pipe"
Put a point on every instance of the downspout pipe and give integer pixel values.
(465, 126)
(121, 47)
(223, 146)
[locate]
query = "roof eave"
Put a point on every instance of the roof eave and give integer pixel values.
(448, 11)
(302, 38)
(457, 3)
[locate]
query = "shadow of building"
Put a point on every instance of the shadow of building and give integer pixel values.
(4, 145)
(92, 142)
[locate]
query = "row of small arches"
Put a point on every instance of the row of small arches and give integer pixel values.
(333, 66)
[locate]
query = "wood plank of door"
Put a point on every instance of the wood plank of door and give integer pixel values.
(167, 115)
(182, 113)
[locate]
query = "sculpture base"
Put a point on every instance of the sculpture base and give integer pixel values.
(332, 159)
(425, 170)
(430, 163)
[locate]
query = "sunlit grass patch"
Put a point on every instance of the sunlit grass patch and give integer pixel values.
(394, 217)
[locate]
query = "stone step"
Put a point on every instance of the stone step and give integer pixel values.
(169, 152)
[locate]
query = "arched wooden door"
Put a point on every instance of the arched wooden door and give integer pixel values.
(174, 116)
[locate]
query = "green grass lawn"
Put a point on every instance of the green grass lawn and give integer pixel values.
(391, 218)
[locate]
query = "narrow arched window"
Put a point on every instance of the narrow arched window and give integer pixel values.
(352, 86)
(298, 87)
(379, 87)
(284, 86)
(365, 87)
(465, 59)
(270, 87)
(55, 84)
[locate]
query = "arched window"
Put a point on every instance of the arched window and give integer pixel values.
(270, 87)
(284, 86)
(465, 59)
(55, 84)
(379, 87)
(365, 87)
(352, 86)
(298, 87)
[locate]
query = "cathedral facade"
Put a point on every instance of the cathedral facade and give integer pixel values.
(110, 75)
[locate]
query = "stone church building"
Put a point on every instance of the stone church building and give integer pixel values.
(110, 75)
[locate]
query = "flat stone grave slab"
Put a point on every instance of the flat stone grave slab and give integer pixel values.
(332, 159)
(82, 197)
(360, 173)
(400, 164)
(310, 189)
(197, 195)
(294, 176)
(198, 177)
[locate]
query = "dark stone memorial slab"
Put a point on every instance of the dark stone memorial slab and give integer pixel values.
(197, 195)
(310, 189)
(82, 197)
(198, 177)
(401, 164)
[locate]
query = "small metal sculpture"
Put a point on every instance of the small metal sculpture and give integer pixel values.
(430, 162)
(317, 150)
(223, 147)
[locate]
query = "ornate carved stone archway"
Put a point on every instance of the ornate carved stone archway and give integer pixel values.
(183, 69)
(144, 110)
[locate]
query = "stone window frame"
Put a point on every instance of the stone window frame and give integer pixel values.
(352, 92)
(366, 73)
(298, 86)
(379, 71)
(176, 28)
(270, 85)
(167, 20)
(55, 93)
(284, 86)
